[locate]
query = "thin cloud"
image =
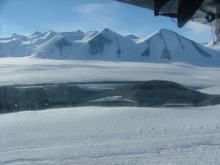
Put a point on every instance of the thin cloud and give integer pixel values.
(97, 8)
(198, 28)
(140, 32)
(90, 8)
(89, 17)
(198, 32)
(99, 15)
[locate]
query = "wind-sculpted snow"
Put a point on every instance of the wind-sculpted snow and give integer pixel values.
(163, 46)
(101, 136)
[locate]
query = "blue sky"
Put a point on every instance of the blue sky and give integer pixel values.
(28, 16)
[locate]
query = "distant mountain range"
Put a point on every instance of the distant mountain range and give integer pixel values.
(162, 46)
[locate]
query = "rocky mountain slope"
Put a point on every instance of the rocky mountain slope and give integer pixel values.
(162, 46)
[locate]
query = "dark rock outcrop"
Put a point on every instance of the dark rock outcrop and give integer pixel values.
(153, 93)
(158, 93)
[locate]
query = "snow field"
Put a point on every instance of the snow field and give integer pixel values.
(27, 70)
(97, 135)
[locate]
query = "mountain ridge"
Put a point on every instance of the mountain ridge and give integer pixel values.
(163, 46)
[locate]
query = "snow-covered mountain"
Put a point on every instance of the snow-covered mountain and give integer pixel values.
(162, 46)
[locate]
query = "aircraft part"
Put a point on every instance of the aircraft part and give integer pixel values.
(186, 9)
(201, 11)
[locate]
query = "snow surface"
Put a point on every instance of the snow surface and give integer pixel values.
(97, 135)
(26, 70)
(102, 135)
(211, 90)
(112, 98)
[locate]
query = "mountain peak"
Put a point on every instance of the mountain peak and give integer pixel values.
(50, 32)
(36, 33)
(19, 37)
(160, 32)
(109, 33)
(107, 30)
(132, 37)
(164, 31)
(14, 35)
(79, 32)
(162, 46)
